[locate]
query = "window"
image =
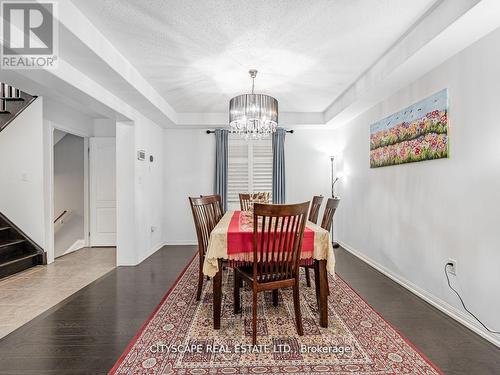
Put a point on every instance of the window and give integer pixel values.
(250, 168)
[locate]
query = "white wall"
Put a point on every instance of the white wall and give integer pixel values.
(27, 144)
(149, 191)
(307, 163)
(410, 219)
(125, 194)
(67, 119)
(144, 198)
(69, 192)
(21, 171)
(140, 191)
(190, 171)
(104, 127)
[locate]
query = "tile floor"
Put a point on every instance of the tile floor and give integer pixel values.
(27, 294)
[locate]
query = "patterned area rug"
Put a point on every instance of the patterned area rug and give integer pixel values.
(178, 338)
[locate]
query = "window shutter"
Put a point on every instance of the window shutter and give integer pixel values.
(262, 166)
(250, 168)
(237, 169)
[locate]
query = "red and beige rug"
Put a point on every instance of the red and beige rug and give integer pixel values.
(178, 338)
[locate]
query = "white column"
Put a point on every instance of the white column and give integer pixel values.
(126, 253)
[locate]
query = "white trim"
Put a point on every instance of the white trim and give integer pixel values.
(68, 129)
(181, 242)
(438, 303)
(153, 250)
(79, 244)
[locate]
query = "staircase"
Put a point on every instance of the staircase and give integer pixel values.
(17, 251)
(12, 102)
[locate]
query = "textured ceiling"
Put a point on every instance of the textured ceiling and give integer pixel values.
(197, 53)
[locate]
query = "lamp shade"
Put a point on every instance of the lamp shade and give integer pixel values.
(253, 114)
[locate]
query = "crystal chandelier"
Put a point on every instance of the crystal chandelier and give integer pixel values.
(253, 115)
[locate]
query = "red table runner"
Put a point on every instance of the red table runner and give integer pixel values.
(240, 239)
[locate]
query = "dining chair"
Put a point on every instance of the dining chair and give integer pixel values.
(313, 217)
(314, 211)
(326, 223)
(331, 206)
(245, 201)
(206, 216)
(277, 240)
(219, 210)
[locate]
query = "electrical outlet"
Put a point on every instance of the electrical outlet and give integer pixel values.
(452, 266)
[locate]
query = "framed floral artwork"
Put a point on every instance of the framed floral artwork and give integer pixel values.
(416, 133)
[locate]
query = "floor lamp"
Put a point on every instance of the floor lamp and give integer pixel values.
(333, 182)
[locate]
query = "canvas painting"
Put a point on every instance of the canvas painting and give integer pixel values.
(416, 133)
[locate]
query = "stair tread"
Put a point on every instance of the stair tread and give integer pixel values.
(4, 227)
(18, 258)
(5, 243)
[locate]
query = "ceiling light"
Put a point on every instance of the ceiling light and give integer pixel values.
(253, 115)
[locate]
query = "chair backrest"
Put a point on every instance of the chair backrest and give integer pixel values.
(205, 219)
(245, 202)
(331, 207)
(277, 240)
(315, 205)
(219, 210)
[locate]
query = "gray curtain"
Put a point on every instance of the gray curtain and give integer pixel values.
(279, 166)
(221, 155)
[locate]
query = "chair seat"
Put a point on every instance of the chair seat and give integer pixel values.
(247, 273)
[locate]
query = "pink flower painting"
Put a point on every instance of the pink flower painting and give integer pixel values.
(416, 133)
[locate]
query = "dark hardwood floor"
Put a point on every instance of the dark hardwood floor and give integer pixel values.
(86, 333)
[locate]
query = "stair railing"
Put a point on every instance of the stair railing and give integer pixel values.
(60, 216)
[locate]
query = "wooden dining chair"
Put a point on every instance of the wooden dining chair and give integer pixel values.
(313, 217)
(219, 210)
(206, 216)
(315, 206)
(245, 201)
(277, 240)
(331, 206)
(326, 223)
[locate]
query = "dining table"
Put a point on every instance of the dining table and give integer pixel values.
(232, 240)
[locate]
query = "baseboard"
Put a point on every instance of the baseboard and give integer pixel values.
(438, 303)
(181, 242)
(79, 244)
(151, 251)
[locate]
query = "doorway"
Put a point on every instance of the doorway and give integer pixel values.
(70, 178)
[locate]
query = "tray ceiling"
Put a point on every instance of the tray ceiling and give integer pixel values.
(196, 54)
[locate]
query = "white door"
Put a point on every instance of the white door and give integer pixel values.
(102, 191)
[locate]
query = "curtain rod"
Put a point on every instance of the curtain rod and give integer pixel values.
(213, 131)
